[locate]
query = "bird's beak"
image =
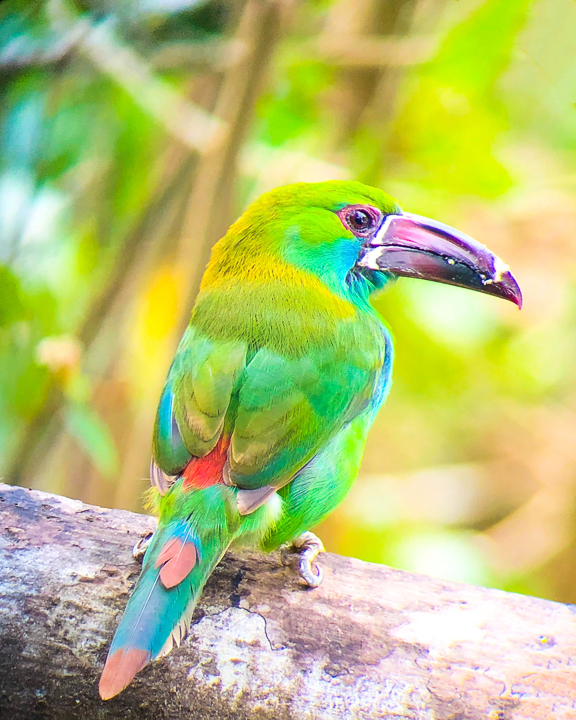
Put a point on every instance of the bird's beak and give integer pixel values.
(414, 246)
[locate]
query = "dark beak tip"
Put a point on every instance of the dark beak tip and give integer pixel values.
(512, 290)
(517, 300)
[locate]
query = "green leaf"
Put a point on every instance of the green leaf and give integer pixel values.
(452, 118)
(11, 302)
(94, 437)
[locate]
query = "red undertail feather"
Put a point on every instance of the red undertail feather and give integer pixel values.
(205, 471)
(177, 559)
(119, 670)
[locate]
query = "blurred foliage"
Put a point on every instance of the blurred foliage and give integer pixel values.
(105, 221)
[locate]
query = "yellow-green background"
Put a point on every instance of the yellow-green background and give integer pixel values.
(470, 470)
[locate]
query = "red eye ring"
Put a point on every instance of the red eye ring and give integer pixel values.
(362, 220)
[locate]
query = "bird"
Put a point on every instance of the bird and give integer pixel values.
(277, 379)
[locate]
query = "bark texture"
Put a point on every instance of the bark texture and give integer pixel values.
(370, 643)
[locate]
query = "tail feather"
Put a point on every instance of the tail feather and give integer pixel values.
(176, 560)
(119, 670)
(159, 612)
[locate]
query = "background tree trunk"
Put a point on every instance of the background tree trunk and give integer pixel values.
(371, 642)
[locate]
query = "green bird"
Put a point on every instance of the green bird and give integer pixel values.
(274, 386)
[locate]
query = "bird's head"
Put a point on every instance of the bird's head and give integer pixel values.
(345, 232)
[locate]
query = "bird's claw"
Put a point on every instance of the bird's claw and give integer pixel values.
(139, 550)
(309, 546)
(311, 578)
(285, 551)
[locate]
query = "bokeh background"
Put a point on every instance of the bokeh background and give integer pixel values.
(132, 133)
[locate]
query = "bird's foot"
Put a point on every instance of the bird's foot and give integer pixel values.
(308, 546)
(139, 550)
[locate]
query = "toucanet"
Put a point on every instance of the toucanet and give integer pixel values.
(263, 419)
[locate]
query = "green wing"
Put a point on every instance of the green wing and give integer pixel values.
(288, 408)
(278, 411)
(195, 399)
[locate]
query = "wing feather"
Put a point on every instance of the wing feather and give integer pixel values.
(277, 410)
(195, 401)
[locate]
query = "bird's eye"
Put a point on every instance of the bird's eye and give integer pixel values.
(360, 220)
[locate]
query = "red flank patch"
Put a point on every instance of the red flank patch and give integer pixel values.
(205, 471)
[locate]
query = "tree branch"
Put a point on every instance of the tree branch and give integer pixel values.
(185, 121)
(371, 642)
(377, 52)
